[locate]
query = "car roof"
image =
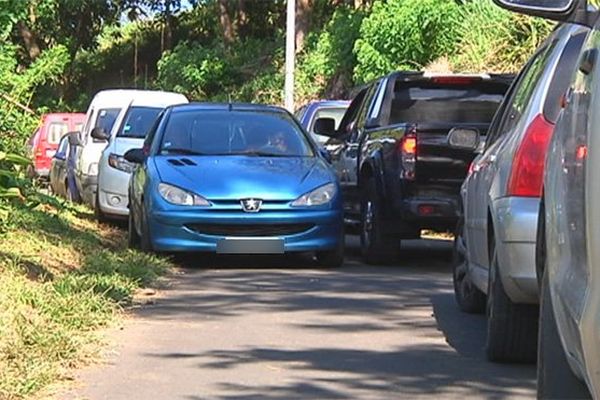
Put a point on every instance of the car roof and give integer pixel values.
(198, 106)
(123, 97)
(329, 103)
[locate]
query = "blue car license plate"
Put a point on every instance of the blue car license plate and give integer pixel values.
(250, 246)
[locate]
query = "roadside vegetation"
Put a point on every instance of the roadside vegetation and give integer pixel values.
(63, 277)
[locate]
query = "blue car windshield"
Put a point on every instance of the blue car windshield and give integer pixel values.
(220, 132)
(138, 121)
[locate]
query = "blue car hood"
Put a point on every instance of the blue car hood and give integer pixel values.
(237, 177)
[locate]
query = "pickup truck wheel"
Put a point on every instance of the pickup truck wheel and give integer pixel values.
(376, 247)
(512, 328)
(555, 379)
(469, 298)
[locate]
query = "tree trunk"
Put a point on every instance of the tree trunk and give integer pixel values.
(303, 9)
(168, 39)
(226, 25)
(29, 40)
(242, 18)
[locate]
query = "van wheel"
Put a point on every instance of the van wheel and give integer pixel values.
(376, 247)
(100, 216)
(555, 379)
(512, 328)
(133, 239)
(469, 298)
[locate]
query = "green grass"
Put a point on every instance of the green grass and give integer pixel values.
(62, 278)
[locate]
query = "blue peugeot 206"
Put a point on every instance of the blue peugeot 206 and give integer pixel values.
(234, 179)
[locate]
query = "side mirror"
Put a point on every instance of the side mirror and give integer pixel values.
(135, 156)
(464, 138)
(99, 133)
(73, 138)
(325, 127)
(557, 10)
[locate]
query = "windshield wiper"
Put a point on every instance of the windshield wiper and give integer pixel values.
(183, 151)
(260, 154)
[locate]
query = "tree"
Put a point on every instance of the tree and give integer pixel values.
(226, 24)
(303, 10)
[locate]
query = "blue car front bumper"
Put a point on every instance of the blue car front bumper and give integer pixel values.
(200, 230)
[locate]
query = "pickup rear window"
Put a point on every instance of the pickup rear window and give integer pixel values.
(422, 103)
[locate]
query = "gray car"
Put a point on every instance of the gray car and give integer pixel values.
(568, 257)
(495, 243)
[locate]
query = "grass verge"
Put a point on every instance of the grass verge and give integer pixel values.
(62, 277)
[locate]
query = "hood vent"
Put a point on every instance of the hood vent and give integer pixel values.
(181, 162)
(187, 161)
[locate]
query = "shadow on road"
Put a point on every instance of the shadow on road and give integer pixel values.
(411, 302)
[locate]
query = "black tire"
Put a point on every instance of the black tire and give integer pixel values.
(133, 239)
(100, 216)
(376, 246)
(145, 241)
(512, 328)
(332, 258)
(469, 298)
(555, 379)
(540, 245)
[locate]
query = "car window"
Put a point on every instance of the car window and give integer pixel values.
(215, 132)
(55, 131)
(64, 143)
(421, 102)
(522, 95)
(106, 118)
(138, 121)
(350, 115)
(336, 113)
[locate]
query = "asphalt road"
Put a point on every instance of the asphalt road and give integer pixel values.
(273, 328)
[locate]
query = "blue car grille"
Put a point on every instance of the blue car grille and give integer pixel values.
(250, 230)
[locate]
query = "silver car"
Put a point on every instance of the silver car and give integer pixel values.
(495, 243)
(568, 257)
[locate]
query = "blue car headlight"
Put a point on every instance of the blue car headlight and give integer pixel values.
(180, 197)
(318, 197)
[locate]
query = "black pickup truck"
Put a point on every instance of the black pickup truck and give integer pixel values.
(398, 172)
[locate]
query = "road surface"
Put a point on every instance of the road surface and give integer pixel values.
(271, 328)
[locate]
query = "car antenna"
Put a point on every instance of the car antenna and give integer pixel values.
(230, 105)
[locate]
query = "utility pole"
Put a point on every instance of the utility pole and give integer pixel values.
(290, 54)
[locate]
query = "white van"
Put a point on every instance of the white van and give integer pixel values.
(128, 132)
(103, 112)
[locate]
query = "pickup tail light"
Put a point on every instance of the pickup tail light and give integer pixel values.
(408, 148)
(527, 171)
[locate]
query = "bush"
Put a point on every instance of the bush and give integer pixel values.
(496, 40)
(405, 34)
(325, 68)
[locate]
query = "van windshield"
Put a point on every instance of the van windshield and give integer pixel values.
(138, 121)
(106, 118)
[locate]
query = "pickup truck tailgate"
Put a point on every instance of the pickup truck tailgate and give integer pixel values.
(435, 159)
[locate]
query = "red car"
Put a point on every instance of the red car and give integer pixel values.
(44, 141)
